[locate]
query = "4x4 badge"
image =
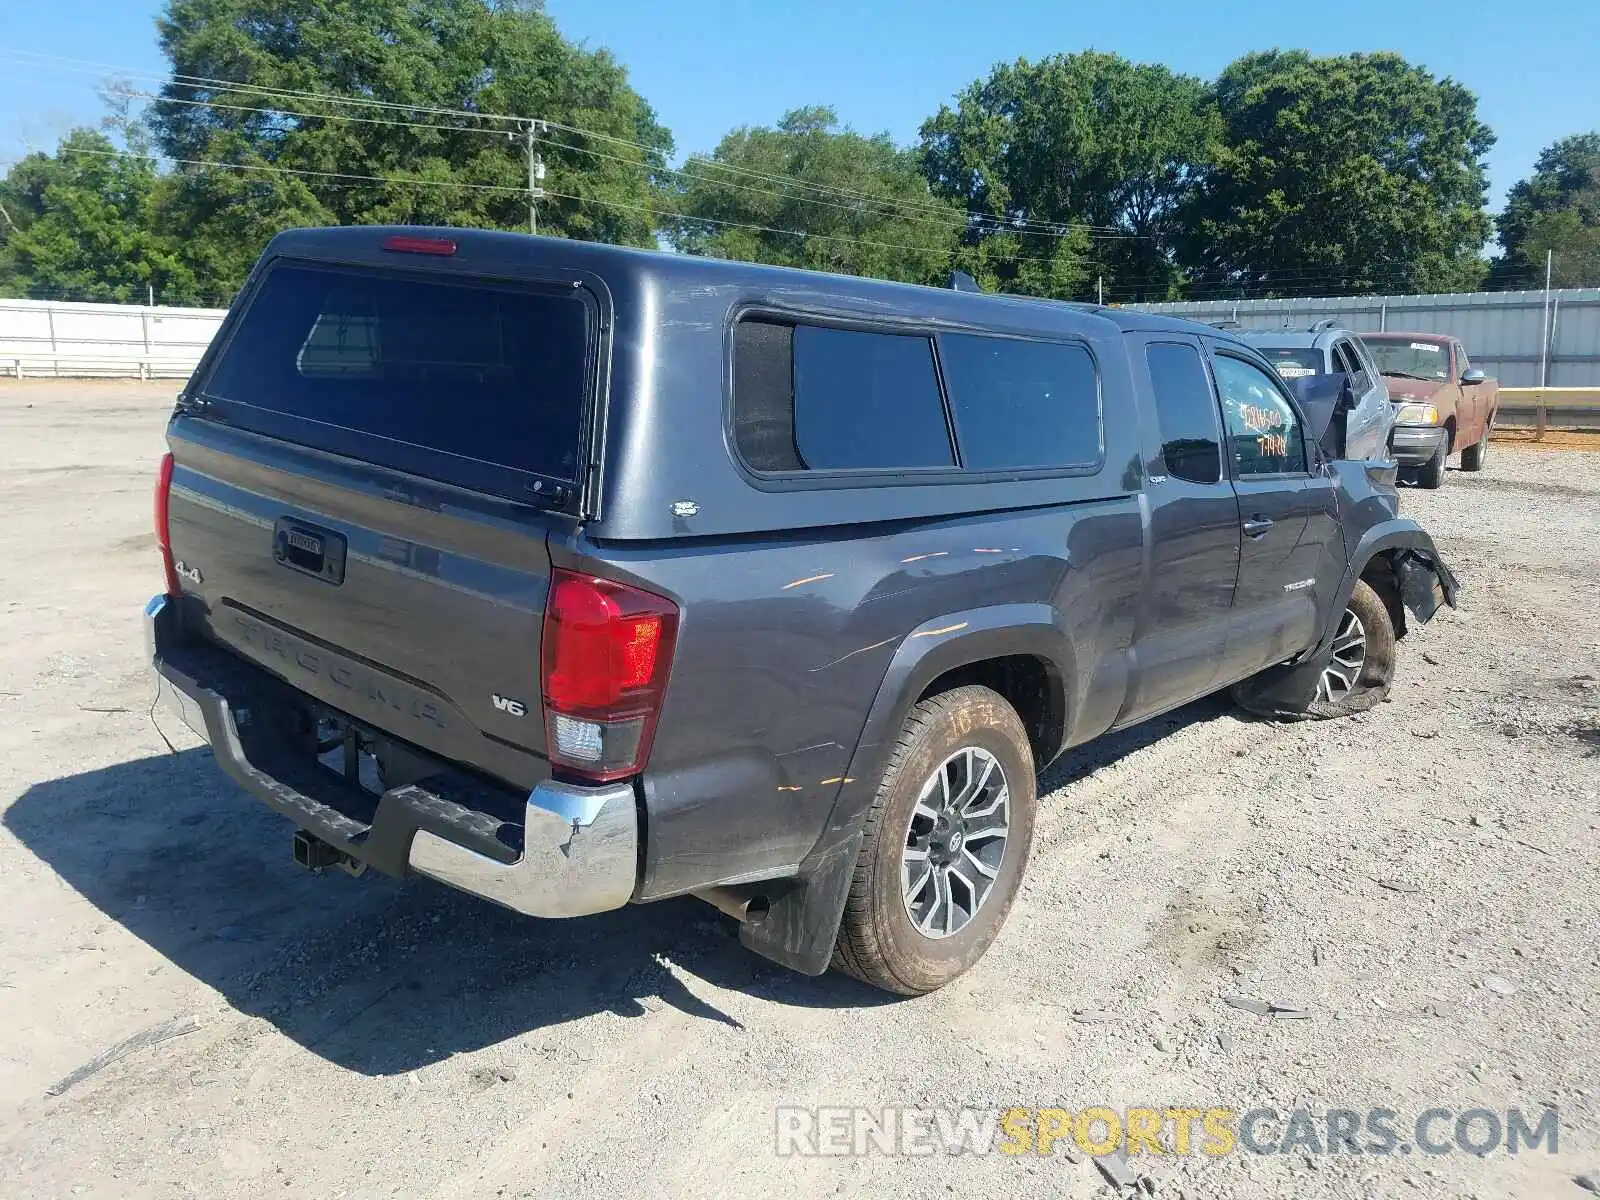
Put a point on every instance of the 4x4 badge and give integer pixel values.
(192, 574)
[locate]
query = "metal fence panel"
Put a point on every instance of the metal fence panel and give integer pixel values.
(1503, 331)
(50, 337)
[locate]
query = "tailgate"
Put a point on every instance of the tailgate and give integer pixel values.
(361, 500)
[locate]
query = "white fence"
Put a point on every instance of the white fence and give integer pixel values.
(54, 338)
(1525, 338)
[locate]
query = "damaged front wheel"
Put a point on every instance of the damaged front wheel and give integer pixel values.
(1360, 666)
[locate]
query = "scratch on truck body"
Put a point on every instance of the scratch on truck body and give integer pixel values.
(852, 654)
(807, 579)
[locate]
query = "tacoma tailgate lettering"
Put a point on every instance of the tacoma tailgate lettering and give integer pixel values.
(303, 663)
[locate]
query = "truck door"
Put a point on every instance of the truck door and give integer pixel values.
(1288, 519)
(1193, 530)
(1472, 409)
(1367, 424)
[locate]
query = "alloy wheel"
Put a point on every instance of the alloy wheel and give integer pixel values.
(955, 842)
(1343, 672)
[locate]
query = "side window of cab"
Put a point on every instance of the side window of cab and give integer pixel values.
(1346, 352)
(1263, 430)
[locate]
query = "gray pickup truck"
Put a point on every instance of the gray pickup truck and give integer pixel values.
(575, 576)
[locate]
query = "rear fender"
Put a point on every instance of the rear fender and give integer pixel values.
(802, 922)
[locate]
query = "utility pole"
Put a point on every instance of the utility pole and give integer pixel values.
(530, 133)
(1100, 290)
(1544, 349)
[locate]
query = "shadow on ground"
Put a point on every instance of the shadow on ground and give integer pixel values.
(1085, 760)
(373, 974)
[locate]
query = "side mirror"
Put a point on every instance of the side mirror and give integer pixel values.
(1473, 375)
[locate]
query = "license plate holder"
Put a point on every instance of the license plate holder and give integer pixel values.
(309, 549)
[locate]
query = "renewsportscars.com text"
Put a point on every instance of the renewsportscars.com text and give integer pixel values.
(846, 1131)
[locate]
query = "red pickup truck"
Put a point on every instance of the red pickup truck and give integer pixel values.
(1443, 404)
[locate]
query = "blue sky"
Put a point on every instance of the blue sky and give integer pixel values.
(887, 64)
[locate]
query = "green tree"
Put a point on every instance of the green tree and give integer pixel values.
(1557, 208)
(1355, 173)
(1573, 245)
(80, 223)
(1084, 139)
(812, 194)
(454, 57)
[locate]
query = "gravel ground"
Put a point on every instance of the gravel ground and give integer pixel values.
(1422, 880)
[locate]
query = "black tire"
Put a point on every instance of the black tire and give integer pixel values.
(1431, 474)
(1370, 684)
(1472, 457)
(879, 941)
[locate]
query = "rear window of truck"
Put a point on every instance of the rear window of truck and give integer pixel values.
(465, 381)
(1293, 362)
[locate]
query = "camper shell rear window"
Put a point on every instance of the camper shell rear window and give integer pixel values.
(468, 381)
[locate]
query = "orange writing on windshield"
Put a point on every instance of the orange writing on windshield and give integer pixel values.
(1260, 420)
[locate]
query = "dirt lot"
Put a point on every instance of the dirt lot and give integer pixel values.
(1423, 880)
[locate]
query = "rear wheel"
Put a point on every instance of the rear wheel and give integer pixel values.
(1472, 457)
(1361, 665)
(946, 842)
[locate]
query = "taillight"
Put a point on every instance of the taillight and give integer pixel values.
(163, 525)
(605, 655)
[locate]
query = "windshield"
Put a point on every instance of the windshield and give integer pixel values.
(1293, 362)
(1414, 360)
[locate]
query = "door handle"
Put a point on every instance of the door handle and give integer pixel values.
(1257, 527)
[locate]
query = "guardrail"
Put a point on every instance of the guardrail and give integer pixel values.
(87, 366)
(1542, 408)
(56, 339)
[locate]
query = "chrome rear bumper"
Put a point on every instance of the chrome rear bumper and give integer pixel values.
(580, 855)
(579, 849)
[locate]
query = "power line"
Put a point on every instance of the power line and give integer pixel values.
(956, 220)
(1200, 288)
(273, 170)
(966, 217)
(81, 66)
(1221, 287)
(287, 112)
(951, 220)
(516, 191)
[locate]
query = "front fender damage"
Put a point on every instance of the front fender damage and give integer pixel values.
(1287, 692)
(1426, 584)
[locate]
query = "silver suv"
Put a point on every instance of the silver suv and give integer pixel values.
(1325, 349)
